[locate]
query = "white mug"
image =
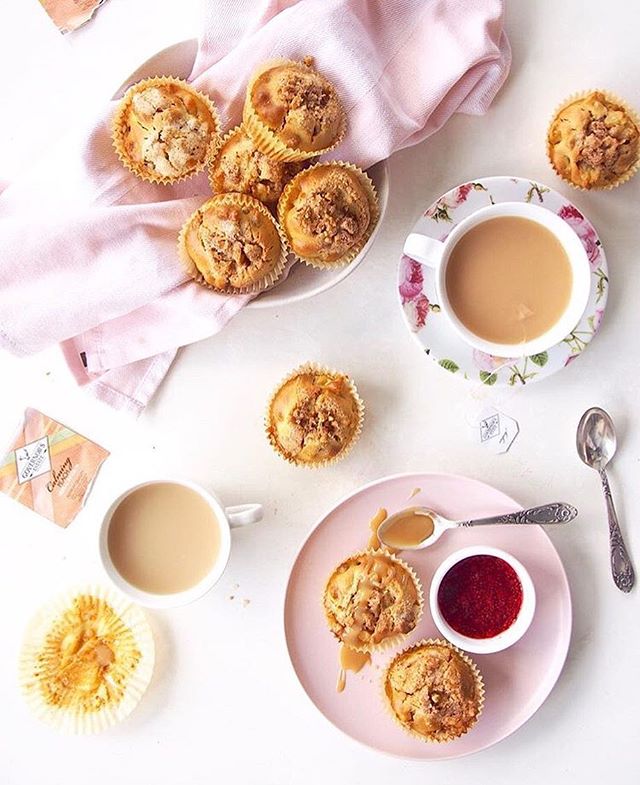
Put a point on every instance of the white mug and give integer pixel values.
(436, 254)
(227, 517)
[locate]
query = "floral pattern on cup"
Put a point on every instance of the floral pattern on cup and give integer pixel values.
(416, 286)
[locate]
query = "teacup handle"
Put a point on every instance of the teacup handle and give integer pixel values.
(423, 249)
(243, 514)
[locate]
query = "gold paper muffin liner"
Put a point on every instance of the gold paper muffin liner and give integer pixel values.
(119, 130)
(213, 159)
(265, 139)
(270, 278)
(631, 112)
(445, 738)
(315, 368)
(75, 720)
(393, 640)
(374, 213)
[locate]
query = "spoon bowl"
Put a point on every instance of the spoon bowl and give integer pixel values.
(405, 531)
(596, 438)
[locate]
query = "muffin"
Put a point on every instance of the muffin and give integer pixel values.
(238, 166)
(434, 691)
(593, 142)
(292, 112)
(164, 130)
(86, 660)
(314, 416)
(371, 600)
(328, 213)
(232, 244)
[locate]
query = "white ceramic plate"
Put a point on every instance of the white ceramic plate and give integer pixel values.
(302, 282)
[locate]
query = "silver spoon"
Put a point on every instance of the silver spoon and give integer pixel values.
(556, 512)
(596, 444)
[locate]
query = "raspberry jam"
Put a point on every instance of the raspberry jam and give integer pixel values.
(480, 596)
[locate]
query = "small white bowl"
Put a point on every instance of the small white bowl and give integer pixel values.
(504, 639)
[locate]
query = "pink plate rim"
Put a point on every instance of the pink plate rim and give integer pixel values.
(566, 628)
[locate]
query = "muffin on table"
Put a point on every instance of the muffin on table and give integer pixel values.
(314, 417)
(238, 166)
(164, 130)
(371, 600)
(434, 691)
(232, 244)
(292, 112)
(328, 213)
(593, 141)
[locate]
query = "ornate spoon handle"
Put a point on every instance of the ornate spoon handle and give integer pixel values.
(621, 567)
(556, 512)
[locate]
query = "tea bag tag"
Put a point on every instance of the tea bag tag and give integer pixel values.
(494, 430)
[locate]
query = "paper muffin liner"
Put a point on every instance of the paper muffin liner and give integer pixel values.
(392, 640)
(315, 368)
(374, 213)
(444, 738)
(265, 139)
(119, 130)
(631, 112)
(247, 202)
(75, 720)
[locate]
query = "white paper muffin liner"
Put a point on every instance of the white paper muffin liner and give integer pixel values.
(75, 720)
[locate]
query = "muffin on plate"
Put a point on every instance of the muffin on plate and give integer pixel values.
(164, 130)
(371, 600)
(314, 416)
(593, 141)
(232, 244)
(238, 166)
(328, 212)
(292, 112)
(434, 691)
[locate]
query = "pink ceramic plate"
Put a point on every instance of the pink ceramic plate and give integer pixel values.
(517, 680)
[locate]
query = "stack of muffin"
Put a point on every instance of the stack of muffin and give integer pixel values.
(270, 197)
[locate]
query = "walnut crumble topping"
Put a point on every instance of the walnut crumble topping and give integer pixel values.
(232, 245)
(313, 417)
(240, 168)
(593, 141)
(299, 105)
(170, 130)
(369, 598)
(327, 213)
(434, 692)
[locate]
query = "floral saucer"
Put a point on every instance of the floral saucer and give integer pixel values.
(416, 285)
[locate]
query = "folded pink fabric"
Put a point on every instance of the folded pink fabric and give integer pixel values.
(95, 266)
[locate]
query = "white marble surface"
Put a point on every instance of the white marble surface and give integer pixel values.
(224, 704)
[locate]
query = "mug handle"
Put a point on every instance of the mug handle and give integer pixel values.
(423, 249)
(243, 514)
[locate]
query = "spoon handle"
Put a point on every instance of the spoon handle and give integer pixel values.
(621, 567)
(556, 512)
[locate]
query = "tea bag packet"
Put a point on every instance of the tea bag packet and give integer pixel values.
(68, 15)
(50, 468)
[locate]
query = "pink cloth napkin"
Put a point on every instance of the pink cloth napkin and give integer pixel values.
(88, 251)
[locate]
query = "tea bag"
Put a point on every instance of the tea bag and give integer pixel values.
(50, 468)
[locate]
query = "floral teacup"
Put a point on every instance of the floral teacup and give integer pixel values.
(436, 253)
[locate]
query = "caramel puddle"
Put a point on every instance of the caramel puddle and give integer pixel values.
(350, 660)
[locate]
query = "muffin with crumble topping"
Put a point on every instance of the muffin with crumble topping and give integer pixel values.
(232, 244)
(314, 417)
(292, 112)
(434, 691)
(328, 213)
(372, 600)
(164, 131)
(238, 166)
(593, 141)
